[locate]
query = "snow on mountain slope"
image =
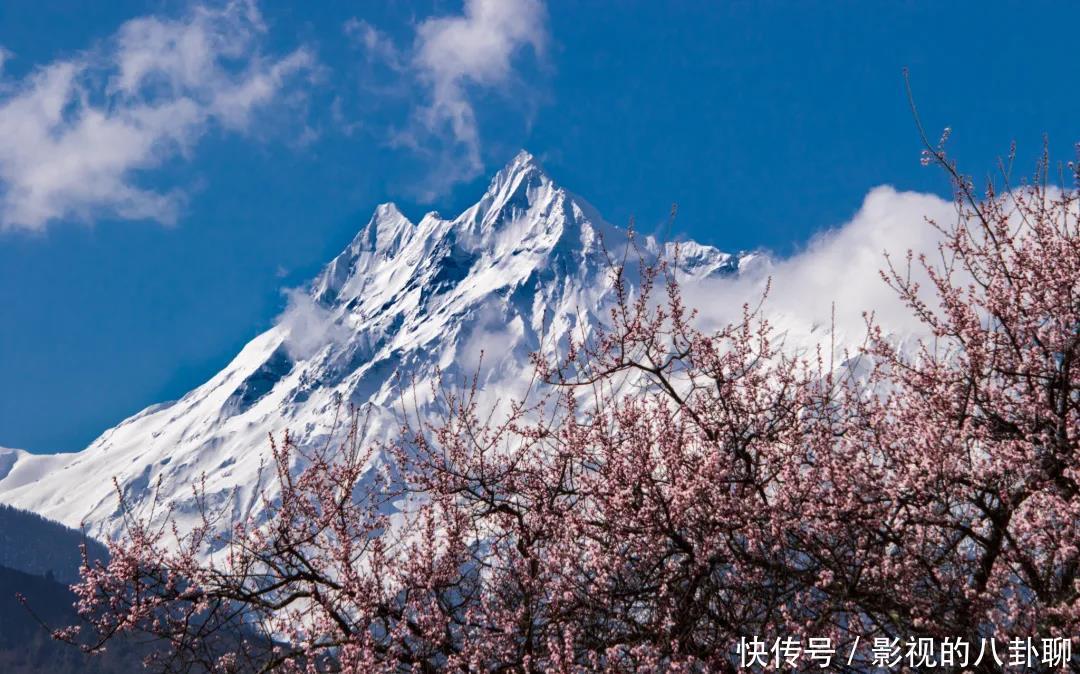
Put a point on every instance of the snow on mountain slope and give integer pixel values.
(519, 268)
(8, 458)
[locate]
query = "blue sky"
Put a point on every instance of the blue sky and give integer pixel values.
(202, 157)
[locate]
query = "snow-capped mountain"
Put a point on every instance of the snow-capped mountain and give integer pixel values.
(518, 270)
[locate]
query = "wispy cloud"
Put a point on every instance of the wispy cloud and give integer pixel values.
(452, 60)
(307, 326)
(77, 134)
(375, 43)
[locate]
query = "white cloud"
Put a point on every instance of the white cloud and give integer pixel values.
(76, 134)
(489, 343)
(308, 326)
(839, 268)
(477, 48)
(453, 58)
(376, 43)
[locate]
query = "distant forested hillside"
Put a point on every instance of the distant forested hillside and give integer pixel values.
(26, 646)
(38, 546)
(39, 559)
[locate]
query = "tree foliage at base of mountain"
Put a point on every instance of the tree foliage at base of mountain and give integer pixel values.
(39, 546)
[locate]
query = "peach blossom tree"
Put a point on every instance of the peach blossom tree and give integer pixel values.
(669, 492)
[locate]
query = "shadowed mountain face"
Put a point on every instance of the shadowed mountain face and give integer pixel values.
(515, 273)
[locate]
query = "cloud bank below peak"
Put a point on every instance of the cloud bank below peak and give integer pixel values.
(836, 278)
(77, 134)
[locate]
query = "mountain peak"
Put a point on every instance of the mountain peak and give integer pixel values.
(522, 170)
(524, 158)
(387, 210)
(385, 231)
(403, 302)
